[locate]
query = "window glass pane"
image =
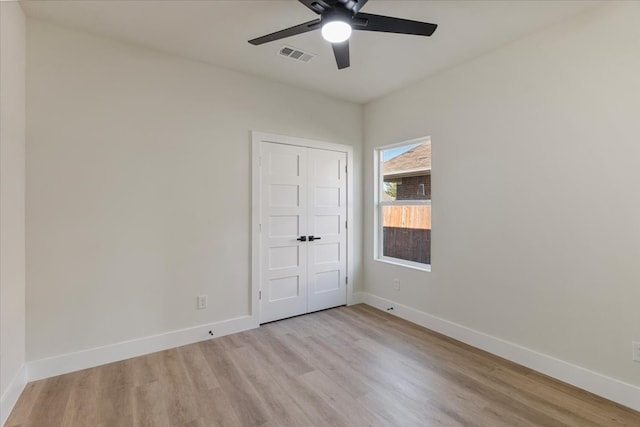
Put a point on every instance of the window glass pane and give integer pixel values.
(407, 232)
(405, 177)
(407, 172)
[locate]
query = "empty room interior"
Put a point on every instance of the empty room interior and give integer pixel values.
(320, 213)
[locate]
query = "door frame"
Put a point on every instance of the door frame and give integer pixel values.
(256, 240)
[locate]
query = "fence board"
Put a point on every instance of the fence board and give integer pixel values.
(418, 217)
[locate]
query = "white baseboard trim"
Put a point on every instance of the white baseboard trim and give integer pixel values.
(11, 395)
(609, 388)
(70, 362)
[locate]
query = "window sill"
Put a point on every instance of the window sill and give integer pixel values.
(407, 264)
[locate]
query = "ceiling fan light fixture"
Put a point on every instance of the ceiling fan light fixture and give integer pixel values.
(336, 31)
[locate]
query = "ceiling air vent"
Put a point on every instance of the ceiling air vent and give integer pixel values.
(295, 53)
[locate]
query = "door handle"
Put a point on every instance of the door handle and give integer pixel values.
(312, 238)
(302, 239)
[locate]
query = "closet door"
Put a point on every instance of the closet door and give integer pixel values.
(303, 237)
(326, 221)
(283, 281)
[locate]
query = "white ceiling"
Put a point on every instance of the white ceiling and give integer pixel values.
(217, 31)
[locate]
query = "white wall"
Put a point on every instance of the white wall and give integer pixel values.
(12, 204)
(138, 186)
(536, 200)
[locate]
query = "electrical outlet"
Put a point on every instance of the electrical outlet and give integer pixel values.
(396, 284)
(635, 350)
(202, 302)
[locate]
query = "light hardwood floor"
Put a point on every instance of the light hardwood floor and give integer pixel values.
(350, 366)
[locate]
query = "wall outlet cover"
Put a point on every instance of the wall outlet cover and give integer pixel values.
(202, 302)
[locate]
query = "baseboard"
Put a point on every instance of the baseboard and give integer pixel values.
(58, 365)
(11, 395)
(609, 388)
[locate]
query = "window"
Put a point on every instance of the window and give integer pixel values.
(404, 203)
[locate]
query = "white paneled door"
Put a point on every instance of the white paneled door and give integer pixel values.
(303, 239)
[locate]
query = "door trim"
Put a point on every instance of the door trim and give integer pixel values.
(256, 139)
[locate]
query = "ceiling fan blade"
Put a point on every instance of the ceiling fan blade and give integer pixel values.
(288, 32)
(388, 24)
(341, 52)
(358, 6)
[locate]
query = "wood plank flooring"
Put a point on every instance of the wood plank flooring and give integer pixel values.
(349, 366)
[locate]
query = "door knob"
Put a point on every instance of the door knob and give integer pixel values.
(312, 238)
(302, 239)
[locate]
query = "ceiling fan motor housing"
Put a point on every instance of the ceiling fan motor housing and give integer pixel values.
(336, 14)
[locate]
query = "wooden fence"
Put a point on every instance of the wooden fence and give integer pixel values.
(407, 233)
(411, 244)
(417, 217)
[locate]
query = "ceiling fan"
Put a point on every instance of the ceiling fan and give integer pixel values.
(339, 17)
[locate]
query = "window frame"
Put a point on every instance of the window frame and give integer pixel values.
(379, 205)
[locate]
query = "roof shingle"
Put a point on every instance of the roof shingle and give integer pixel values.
(418, 159)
